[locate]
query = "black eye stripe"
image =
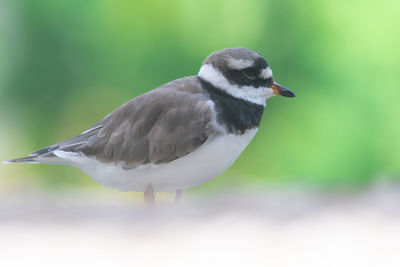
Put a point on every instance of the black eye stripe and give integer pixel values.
(250, 73)
(237, 77)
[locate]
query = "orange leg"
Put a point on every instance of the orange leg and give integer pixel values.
(178, 196)
(149, 195)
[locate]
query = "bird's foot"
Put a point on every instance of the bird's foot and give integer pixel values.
(178, 196)
(149, 195)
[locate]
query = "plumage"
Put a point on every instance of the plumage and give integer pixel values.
(178, 135)
(237, 115)
(157, 127)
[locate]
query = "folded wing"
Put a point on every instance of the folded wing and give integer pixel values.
(157, 127)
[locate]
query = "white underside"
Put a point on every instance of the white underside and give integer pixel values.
(208, 161)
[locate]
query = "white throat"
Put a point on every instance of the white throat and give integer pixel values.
(249, 93)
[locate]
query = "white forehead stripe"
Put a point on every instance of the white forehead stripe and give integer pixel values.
(239, 64)
(266, 73)
(249, 93)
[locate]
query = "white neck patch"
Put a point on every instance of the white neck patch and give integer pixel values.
(249, 93)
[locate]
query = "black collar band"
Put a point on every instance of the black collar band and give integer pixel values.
(238, 115)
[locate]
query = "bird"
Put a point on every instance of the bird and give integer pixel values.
(177, 136)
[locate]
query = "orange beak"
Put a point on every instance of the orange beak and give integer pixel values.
(280, 90)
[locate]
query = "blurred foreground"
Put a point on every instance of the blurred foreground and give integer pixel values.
(274, 227)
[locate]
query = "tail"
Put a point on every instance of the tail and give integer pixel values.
(38, 156)
(30, 159)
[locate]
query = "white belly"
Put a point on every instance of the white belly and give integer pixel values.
(206, 162)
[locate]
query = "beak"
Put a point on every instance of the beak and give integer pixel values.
(280, 90)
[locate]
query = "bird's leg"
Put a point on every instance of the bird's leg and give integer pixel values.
(149, 195)
(178, 195)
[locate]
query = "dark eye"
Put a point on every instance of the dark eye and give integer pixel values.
(250, 73)
(269, 82)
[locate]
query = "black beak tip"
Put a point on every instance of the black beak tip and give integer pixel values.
(287, 93)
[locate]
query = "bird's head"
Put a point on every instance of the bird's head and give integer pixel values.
(243, 74)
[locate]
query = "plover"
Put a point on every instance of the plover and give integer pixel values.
(178, 135)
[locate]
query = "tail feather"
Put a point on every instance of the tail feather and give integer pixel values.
(43, 150)
(38, 156)
(30, 159)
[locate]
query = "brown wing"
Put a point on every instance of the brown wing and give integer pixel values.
(157, 127)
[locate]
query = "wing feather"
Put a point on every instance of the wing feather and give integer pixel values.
(158, 127)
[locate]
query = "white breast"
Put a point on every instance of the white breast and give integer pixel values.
(208, 161)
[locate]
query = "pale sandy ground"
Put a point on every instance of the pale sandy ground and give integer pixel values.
(276, 227)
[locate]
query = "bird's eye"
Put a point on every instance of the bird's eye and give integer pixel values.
(270, 81)
(250, 73)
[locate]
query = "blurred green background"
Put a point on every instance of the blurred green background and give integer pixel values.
(65, 64)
